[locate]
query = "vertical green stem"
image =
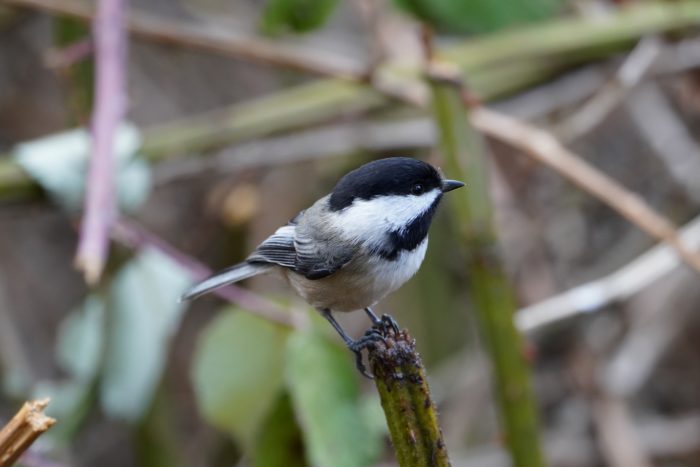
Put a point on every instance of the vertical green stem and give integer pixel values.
(465, 158)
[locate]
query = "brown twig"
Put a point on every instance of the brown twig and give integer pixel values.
(24, 428)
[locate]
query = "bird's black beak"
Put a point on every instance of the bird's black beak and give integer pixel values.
(449, 185)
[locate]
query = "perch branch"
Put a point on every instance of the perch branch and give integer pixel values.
(405, 396)
(24, 428)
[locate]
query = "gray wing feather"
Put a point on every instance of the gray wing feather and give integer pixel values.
(316, 262)
(296, 248)
(278, 249)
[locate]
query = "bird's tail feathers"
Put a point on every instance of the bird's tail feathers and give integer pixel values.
(228, 276)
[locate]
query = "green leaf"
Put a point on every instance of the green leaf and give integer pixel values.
(238, 372)
(280, 443)
(323, 384)
(297, 16)
(144, 314)
(59, 163)
(479, 15)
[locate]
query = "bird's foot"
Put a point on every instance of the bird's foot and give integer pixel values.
(387, 321)
(370, 337)
(384, 323)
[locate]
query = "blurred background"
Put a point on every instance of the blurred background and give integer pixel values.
(240, 113)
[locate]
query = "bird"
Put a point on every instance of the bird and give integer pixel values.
(352, 247)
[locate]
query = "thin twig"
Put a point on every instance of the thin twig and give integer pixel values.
(24, 428)
(136, 237)
(110, 105)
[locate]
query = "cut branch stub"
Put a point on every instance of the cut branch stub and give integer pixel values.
(408, 406)
(24, 428)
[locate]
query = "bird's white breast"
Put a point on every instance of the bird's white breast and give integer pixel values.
(362, 283)
(390, 275)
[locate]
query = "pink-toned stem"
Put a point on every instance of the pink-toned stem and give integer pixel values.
(110, 104)
(134, 236)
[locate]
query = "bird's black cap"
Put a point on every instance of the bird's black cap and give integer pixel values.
(391, 176)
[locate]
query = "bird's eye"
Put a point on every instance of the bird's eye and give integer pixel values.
(417, 189)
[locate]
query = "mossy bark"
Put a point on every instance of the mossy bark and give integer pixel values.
(410, 412)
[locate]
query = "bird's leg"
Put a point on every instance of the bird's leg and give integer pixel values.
(375, 319)
(355, 346)
(385, 322)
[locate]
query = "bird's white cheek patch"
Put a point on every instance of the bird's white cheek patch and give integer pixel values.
(370, 220)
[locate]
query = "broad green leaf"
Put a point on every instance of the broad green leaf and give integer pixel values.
(280, 442)
(479, 15)
(238, 372)
(297, 16)
(80, 340)
(322, 381)
(59, 164)
(143, 314)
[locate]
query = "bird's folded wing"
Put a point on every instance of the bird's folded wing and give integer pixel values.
(299, 251)
(278, 249)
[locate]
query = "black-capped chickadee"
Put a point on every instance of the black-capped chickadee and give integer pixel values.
(354, 246)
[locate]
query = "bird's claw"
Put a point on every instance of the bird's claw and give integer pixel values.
(369, 338)
(389, 322)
